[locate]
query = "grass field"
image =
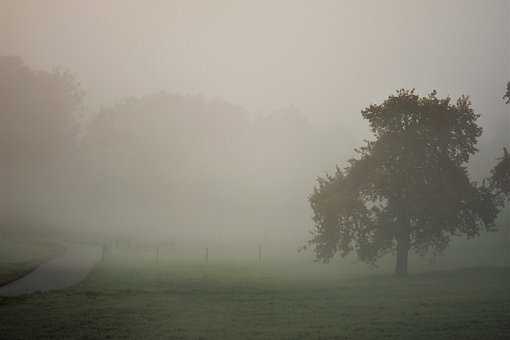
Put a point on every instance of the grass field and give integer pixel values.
(137, 299)
(18, 257)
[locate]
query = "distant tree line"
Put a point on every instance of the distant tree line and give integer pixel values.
(150, 165)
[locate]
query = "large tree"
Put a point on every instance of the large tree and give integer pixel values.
(408, 189)
(500, 181)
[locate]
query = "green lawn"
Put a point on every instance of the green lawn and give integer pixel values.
(18, 257)
(133, 299)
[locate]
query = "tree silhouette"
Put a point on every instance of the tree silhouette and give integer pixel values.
(409, 188)
(500, 175)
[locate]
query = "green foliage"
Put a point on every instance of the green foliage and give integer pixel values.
(409, 186)
(184, 301)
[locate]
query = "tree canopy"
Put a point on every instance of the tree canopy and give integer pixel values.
(408, 189)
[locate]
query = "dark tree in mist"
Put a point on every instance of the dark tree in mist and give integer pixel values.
(500, 175)
(500, 179)
(409, 188)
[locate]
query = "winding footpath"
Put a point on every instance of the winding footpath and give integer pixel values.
(61, 272)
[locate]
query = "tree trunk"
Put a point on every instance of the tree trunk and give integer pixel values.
(402, 254)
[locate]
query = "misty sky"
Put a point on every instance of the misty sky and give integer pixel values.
(327, 58)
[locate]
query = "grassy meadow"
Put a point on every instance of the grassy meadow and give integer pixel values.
(138, 298)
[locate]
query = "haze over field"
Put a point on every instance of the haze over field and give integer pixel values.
(208, 122)
(255, 169)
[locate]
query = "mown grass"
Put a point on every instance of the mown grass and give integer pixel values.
(220, 301)
(19, 257)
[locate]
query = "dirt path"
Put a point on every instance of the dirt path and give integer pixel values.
(62, 272)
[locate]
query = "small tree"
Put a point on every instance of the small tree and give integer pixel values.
(506, 97)
(407, 189)
(500, 175)
(500, 183)
(500, 178)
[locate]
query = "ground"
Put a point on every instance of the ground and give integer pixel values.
(142, 299)
(18, 257)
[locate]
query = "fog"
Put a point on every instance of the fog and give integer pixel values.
(205, 123)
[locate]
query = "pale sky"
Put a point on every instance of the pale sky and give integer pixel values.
(327, 58)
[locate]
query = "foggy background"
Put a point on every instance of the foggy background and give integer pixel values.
(207, 122)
